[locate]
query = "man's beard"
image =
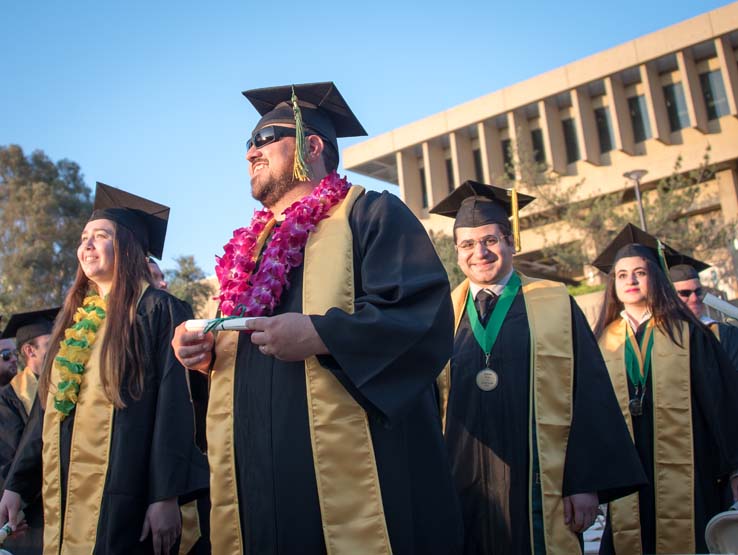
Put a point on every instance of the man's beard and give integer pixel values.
(272, 190)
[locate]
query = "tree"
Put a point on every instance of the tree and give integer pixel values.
(670, 208)
(444, 245)
(43, 209)
(187, 281)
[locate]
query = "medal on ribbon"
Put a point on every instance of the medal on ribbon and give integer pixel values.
(486, 335)
(638, 365)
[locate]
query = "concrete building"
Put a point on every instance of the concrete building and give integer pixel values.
(639, 105)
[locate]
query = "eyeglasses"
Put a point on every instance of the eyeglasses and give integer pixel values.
(7, 354)
(488, 241)
(686, 293)
(269, 134)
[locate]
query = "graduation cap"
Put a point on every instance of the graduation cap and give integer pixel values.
(475, 204)
(25, 326)
(633, 241)
(147, 220)
(683, 272)
(315, 107)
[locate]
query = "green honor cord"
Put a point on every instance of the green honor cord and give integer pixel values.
(637, 364)
(487, 335)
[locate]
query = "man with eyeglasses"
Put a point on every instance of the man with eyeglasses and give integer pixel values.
(686, 280)
(533, 428)
(323, 428)
(31, 331)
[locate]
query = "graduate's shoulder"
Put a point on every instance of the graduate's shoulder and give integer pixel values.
(382, 205)
(157, 300)
(8, 398)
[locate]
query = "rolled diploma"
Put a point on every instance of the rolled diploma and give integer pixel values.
(237, 324)
(6, 531)
(721, 306)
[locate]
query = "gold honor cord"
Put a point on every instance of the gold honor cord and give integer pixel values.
(515, 219)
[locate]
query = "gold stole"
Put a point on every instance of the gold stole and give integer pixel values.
(88, 463)
(552, 377)
(25, 385)
(343, 456)
(715, 329)
(673, 448)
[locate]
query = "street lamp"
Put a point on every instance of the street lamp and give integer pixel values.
(635, 176)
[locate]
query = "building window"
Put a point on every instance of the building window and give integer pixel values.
(639, 118)
(570, 138)
(450, 174)
(507, 158)
(423, 188)
(539, 152)
(676, 106)
(604, 129)
(713, 92)
(478, 171)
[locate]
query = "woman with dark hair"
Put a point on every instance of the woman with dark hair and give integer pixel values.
(679, 396)
(114, 424)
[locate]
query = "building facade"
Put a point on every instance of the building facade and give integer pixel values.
(639, 105)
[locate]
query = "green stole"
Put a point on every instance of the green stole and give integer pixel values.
(551, 399)
(673, 447)
(343, 456)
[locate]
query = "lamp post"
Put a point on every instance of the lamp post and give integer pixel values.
(635, 176)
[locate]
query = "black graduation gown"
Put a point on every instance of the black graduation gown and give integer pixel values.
(387, 354)
(487, 434)
(13, 419)
(729, 341)
(714, 385)
(153, 455)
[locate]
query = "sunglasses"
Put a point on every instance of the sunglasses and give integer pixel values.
(269, 134)
(7, 354)
(686, 293)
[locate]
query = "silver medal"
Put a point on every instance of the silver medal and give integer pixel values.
(487, 379)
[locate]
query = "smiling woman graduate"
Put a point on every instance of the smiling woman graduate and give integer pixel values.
(116, 429)
(678, 393)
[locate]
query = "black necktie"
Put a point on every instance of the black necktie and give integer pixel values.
(484, 301)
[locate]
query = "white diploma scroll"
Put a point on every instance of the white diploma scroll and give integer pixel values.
(236, 324)
(6, 532)
(721, 306)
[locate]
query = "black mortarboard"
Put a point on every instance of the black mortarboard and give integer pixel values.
(683, 272)
(475, 204)
(324, 111)
(147, 220)
(25, 326)
(633, 241)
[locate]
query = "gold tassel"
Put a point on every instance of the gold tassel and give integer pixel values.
(515, 219)
(300, 170)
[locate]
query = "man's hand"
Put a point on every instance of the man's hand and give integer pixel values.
(580, 511)
(193, 348)
(291, 337)
(10, 512)
(164, 521)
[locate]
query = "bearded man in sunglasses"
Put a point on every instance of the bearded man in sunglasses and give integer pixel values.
(8, 361)
(323, 425)
(686, 280)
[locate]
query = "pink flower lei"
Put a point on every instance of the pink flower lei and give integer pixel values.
(244, 292)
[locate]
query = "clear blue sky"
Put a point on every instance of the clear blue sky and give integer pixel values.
(146, 96)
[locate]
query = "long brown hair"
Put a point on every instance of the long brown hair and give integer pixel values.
(666, 308)
(121, 352)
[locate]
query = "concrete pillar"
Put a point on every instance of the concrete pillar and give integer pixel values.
(434, 162)
(728, 188)
(589, 144)
(622, 127)
(729, 71)
(658, 117)
(692, 90)
(553, 134)
(490, 146)
(408, 176)
(462, 157)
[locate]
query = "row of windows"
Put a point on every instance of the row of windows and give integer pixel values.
(713, 94)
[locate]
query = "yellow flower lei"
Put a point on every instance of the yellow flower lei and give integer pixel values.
(75, 350)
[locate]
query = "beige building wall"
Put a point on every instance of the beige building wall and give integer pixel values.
(639, 105)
